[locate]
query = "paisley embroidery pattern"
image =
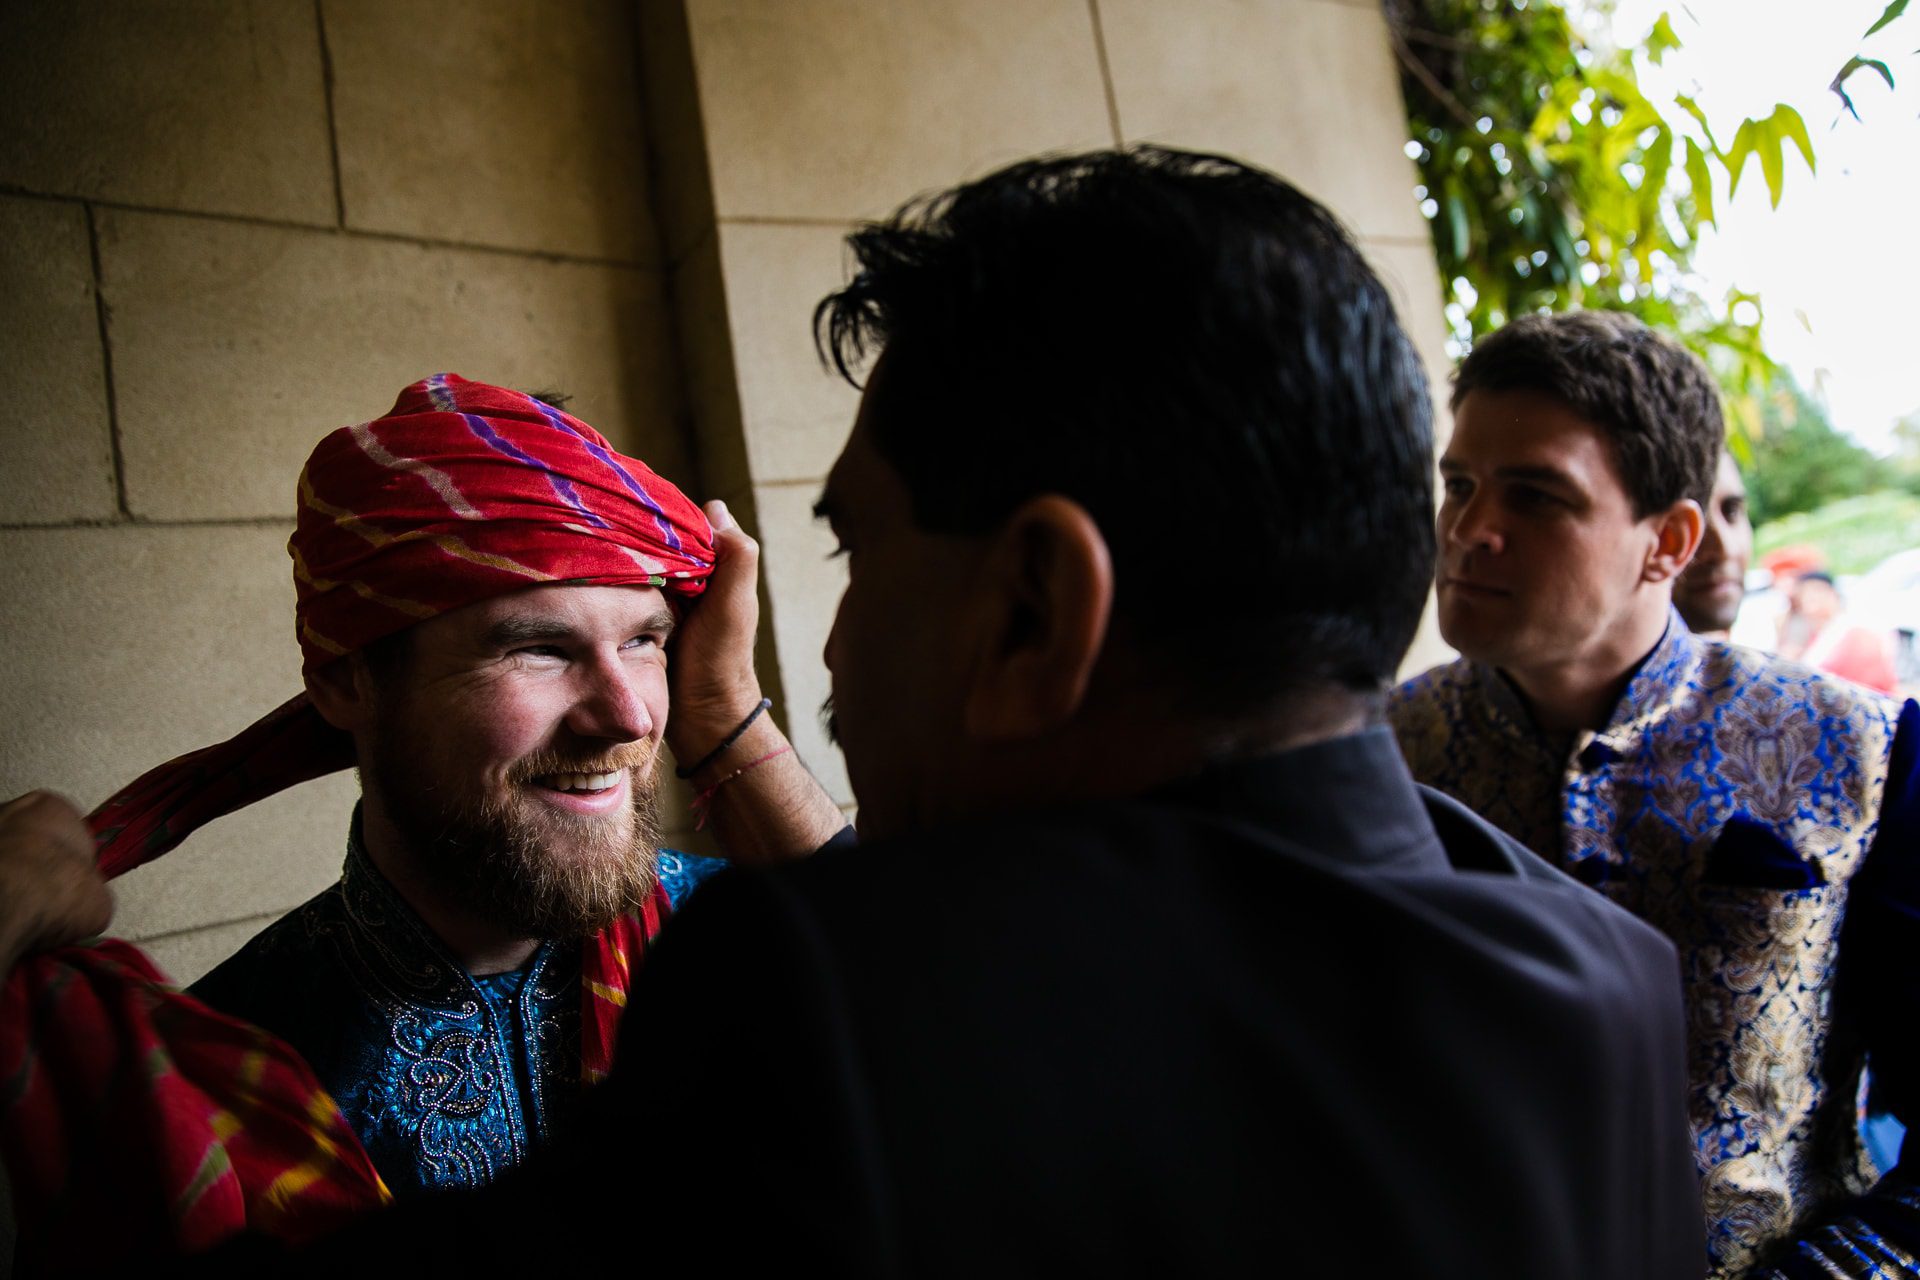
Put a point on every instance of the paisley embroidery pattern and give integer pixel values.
(1704, 731)
(444, 1086)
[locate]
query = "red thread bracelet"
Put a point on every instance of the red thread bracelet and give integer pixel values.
(703, 801)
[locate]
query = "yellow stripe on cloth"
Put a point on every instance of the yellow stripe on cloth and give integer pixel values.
(441, 483)
(461, 551)
(320, 641)
(323, 1114)
(412, 608)
(342, 517)
(611, 995)
(215, 1164)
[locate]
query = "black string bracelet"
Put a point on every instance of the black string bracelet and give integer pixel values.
(725, 742)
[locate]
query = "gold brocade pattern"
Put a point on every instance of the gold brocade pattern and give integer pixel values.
(1728, 803)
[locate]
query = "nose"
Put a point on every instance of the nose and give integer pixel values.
(1713, 542)
(1468, 525)
(609, 705)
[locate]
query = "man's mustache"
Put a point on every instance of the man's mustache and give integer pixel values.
(638, 756)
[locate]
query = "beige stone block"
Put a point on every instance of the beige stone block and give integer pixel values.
(841, 109)
(1411, 276)
(190, 104)
(513, 123)
(56, 451)
(805, 581)
(236, 347)
(796, 413)
(1428, 649)
(128, 646)
(1305, 88)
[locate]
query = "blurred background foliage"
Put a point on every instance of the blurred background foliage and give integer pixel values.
(1854, 533)
(1551, 181)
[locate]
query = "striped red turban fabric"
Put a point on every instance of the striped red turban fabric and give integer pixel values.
(125, 1101)
(464, 492)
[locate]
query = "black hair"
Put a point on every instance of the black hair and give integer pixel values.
(1654, 399)
(1196, 353)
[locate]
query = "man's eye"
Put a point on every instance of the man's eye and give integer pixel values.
(1456, 487)
(1526, 497)
(645, 640)
(840, 550)
(539, 651)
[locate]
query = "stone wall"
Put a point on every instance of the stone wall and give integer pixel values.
(230, 227)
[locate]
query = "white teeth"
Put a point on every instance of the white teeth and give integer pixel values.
(581, 781)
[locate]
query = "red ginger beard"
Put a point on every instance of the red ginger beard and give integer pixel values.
(512, 862)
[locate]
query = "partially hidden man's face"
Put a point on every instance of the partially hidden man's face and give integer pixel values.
(517, 753)
(1541, 555)
(895, 653)
(1709, 591)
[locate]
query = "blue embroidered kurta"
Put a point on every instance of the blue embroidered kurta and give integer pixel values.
(1766, 818)
(449, 1080)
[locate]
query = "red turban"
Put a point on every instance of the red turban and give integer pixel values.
(462, 492)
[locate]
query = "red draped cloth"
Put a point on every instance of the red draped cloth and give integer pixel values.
(134, 1120)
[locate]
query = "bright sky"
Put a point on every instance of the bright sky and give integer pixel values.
(1843, 249)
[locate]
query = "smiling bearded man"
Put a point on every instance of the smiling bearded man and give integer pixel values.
(561, 844)
(485, 594)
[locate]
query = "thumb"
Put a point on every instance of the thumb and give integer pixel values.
(736, 557)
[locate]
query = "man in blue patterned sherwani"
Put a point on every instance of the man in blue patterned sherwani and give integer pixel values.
(444, 990)
(1763, 816)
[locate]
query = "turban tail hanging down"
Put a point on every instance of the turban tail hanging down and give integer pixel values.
(461, 493)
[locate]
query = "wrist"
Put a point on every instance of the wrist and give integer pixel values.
(707, 751)
(700, 719)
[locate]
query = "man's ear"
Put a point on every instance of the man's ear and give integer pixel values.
(1677, 534)
(342, 692)
(1044, 597)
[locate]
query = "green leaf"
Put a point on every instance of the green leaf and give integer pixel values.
(1787, 121)
(1554, 111)
(1893, 11)
(1772, 163)
(1659, 160)
(1744, 143)
(1661, 40)
(1454, 203)
(1702, 180)
(1855, 64)
(1692, 108)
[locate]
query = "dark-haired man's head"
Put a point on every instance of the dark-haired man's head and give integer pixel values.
(1583, 452)
(1144, 446)
(1710, 589)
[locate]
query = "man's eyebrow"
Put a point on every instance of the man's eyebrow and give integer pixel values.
(508, 632)
(661, 621)
(1539, 475)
